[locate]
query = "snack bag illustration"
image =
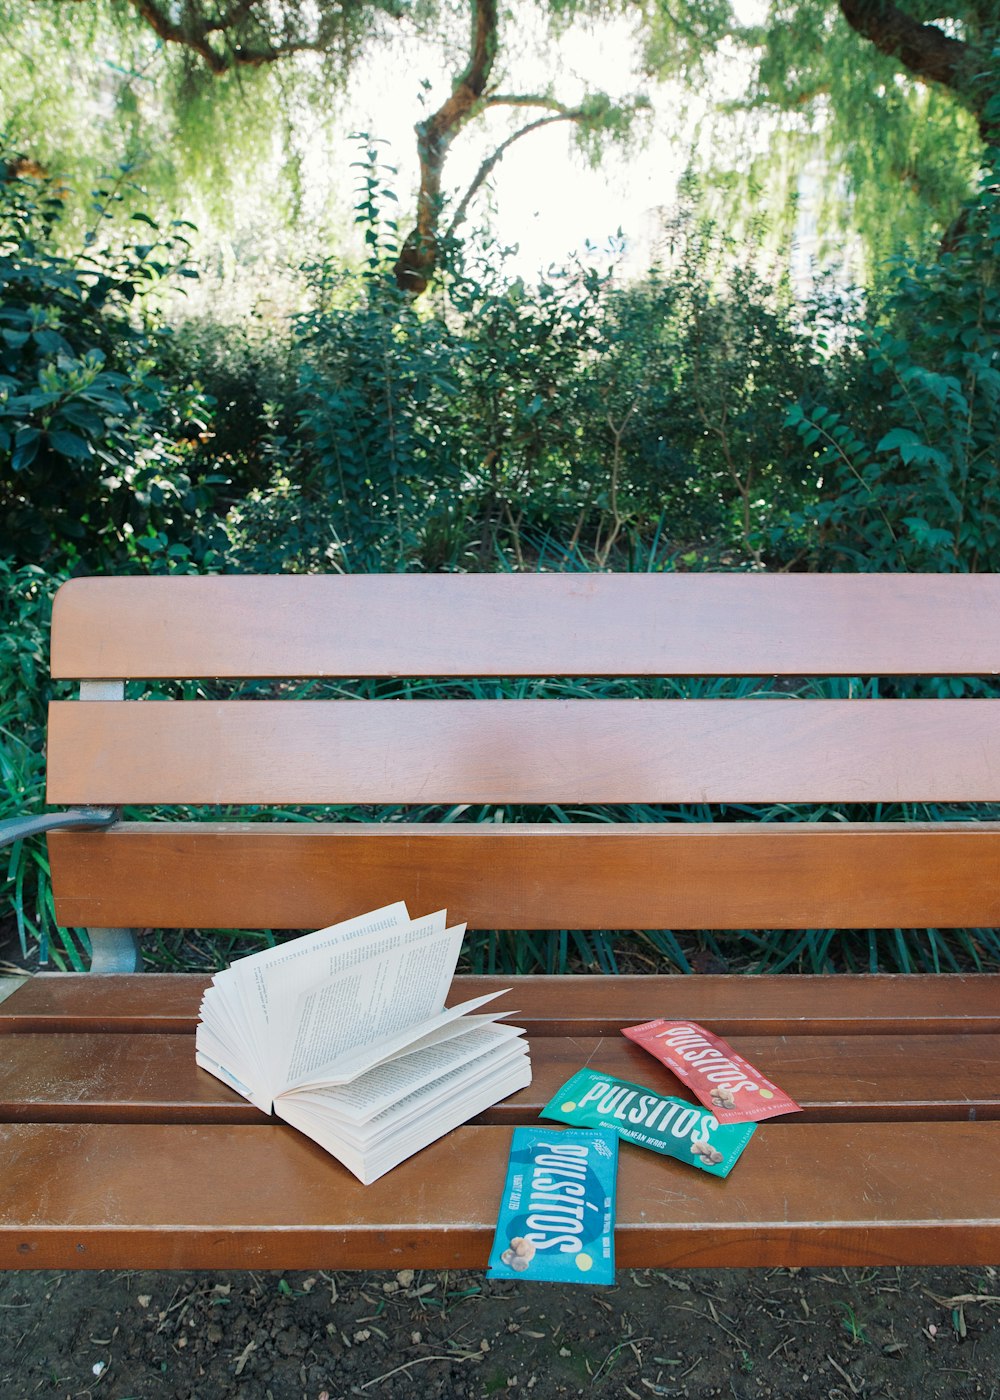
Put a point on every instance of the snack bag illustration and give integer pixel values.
(639, 1115)
(711, 1068)
(557, 1214)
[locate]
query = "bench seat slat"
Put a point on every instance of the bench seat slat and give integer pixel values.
(532, 876)
(554, 624)
(525, 751)
(149, 1196)
(109, 1078)
(881, 1004)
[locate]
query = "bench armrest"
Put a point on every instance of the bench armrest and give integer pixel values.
(16, 828)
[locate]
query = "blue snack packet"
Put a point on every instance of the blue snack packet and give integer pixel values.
(636, 1114)
(557, 1214)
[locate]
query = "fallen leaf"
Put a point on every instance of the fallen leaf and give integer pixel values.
(244, 1357)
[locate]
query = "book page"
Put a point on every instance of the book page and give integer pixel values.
(333, 958)
(382, 1088)
(303, 958)
(223, 1034)
(439, 1030)
(372, 1011)
(425, 1115)
(244, 1013)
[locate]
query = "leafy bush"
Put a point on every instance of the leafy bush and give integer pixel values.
(25, 607)
(245, 369)
(908, 449)
(693, 375)
(623, 423)
(371, 454)
(502, 421)
(97, 452)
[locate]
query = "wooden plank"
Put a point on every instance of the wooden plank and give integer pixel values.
(147, 1003)
(108, 1078)
(526, 751)
(544, 624)
(879, 1004)
(532, 875)
(150, 1196)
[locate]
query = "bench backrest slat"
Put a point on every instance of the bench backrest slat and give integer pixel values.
(531, 751)
(524, 876)
(528, 625)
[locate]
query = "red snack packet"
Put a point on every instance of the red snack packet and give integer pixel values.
(721, 1079)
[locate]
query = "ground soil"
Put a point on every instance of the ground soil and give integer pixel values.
(826, 1333)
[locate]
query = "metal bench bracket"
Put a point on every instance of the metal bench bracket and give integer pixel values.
(114, 950)
(19, 828)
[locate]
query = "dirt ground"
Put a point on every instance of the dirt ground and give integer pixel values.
(829, 1334)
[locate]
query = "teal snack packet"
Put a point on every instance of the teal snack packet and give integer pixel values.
(672, 1126)
(557, 1215)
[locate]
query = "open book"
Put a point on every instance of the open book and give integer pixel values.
(344, 1034)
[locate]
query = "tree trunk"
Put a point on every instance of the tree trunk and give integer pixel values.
(418, 257)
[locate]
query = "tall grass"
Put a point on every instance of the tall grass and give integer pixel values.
(25, 887)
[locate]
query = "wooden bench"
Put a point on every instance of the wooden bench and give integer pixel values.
(115, 1151)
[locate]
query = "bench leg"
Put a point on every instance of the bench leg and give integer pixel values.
(114, 950)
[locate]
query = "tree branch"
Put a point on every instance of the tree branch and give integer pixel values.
(923, 49)
(488, 165)
(237, 34)
(527, 99)
(191, 36)
(470, 95)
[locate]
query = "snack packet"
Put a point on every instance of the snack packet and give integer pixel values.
(723, 1081)
(671, 1126)
(557, 1215)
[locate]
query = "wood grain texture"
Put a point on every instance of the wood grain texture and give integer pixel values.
(880, 1004)
(108, 1078)
(525, 751)
(538, 624)
(146, 1003)
(156, 1196)
(532, 876)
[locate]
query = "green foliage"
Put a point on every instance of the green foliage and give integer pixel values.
(875, 160)
(244, 367)
(25, 606)
(605, 123)
(517, 413)
(678, 39)
(96, 446)
(607, 412)
(215, 126)
(886, 132)
(736, 354)
(909, 449)
(497, 415)
(84, 86)
(370, 368)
